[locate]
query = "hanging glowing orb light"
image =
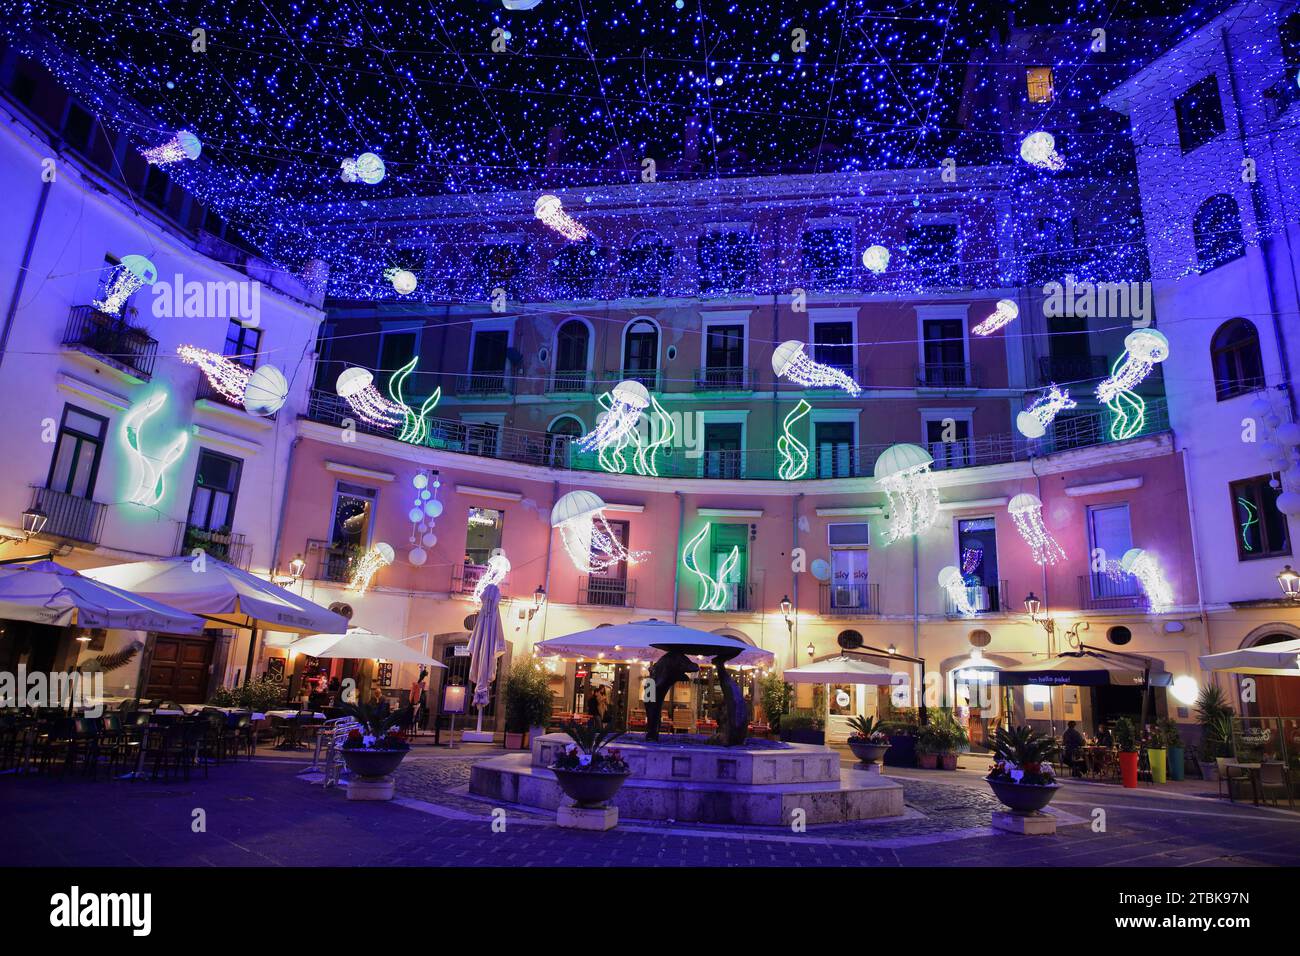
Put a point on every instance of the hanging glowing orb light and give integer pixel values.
(366, 168)
(1143, 350)
(1143, 566)
(627, 401)
(266, 391)
(794, 453)
(494, 572)
(129, 275)
(403, 280)
(1039, 149)
(227, 377)
(1004, 314)
(1027, 512)
(903, 472)
(876, 259)
(369, 564)
(149, 471)
(590, 542)
(356, 386)
(550, 211)
(954, 586)
(425, 507)
(184, 145)
(790, 361)
(1033, 421)
(713, 588)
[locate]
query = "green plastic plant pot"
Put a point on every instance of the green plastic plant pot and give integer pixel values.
(1156, 756)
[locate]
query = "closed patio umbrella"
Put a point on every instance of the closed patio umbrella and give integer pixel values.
(1281, 659)
(48, 593)
(840, 670)
(486, 643)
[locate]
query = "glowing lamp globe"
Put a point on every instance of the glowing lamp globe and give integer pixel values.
(416, 515)
(352, 381)
(266, 391)
(386, 551)
(1130, 558)
(1288, 502)
(421, 480)
(901, 458)
(1148, 345)
(189, 144)
(417, 557)
(370, 168)
(433, 507)
(950, 577)
(1029, 425)
(1185, 689)
(404, 281)
(876, 259)
(575, 505)
(428, 539)
(1024, 502)
(786, 354)
(546, 206)
(141, 268)
(1289, 434)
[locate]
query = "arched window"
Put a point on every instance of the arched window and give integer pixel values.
(1217, 230)
(641, 353)
(559, 437)
(567, 426)
(571, 347)
(1238, 366)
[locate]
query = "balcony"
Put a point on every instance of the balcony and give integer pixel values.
(848, 600)
(607, 592)
(69, 517)
(984, 598)
(724, 379)
(724, 463)
(1071, 368)
(224, 546)
(465, 578)
(332, 562)
(485, 383)
(939, 375)
(651, 378)
(577, 381)
(736, 597)
(1106, 591)
(111, 340)
(860, 377)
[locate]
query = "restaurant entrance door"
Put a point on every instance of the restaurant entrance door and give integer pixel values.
(179, 668)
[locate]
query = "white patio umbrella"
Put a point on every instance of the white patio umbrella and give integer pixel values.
(646, 641)
(357, 643)
(840, 670)
(487, 642)
(1281, 659)
(48, 593)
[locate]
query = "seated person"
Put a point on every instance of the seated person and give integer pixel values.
(1071, 745)
(1104, 739)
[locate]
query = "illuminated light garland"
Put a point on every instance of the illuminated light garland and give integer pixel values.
(1039, 149)
(150, 472)
(403, 280)
(1144, 566)
(714, 596)
(551, 212)
(425, 508)
(626, 403)
(226, 376)
(971, 557)
(1027, 513)
(903, 472)
(1033, 421)
(184, 145)
(645, 461)
(415, 425)
(366, 168)
(368, 565)
(591, 543)
(1143, 350)
(128, 276)
(498, 566)
(791, 362)
(794, 453)
(876, 259)
(1005, 313)
(356, 386)
(954, 586)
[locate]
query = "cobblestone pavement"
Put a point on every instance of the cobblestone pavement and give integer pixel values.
(261, 813)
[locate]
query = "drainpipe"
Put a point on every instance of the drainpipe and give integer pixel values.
(1196, 555)
(677, 559)
(916, 619)
(546, 571)
(21, 280)
(284, 499)
(794, 581)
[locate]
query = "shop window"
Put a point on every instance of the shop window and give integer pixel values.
(1260, 529)
(1238, 365)
(1199, 112)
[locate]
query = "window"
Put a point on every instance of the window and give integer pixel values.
(722, 449)
(1261, 530)
(1199, 113)
(849, 585)
(500, 265)
(77, 452)
(646, 264)
(608, 587)
(641, 353)
(1217, 231)
(78, 127)
(724, 259)
(23, 85)
(833, 345)
(1109, 538)
(216, 481)
(834, 443)
(943, 347)
(1038, 81)
(572, 343)
(933, 253)
(559, 437)
(1238, 366)
(483, 534)
(724, 347)
(354, 508)
(948, 441)
(828, 257)
(243, 343)
(574, 271)
(566, 425)
(977, 546)
(723, 539)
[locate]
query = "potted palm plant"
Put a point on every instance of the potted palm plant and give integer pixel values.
(1127, 741)
(951, 738)
(1215, 718)
(868, 741)
(1168, 728)
(376, 747)
(930, 741)
(1022, 776)
(527, 700)
(587, 771)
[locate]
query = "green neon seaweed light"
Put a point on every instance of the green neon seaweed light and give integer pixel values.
(415, 425)
(1128, 410)
(645, 462)
(794, 453)
(1252, 518)
(150, 472)
(713, 595)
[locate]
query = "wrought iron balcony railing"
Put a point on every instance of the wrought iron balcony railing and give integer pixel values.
(69, 516)
(651, 378)
(465, 578)
(112, 340)
(579, 381)
(607, 592)
(848, 600)
(222, 545)
(724, 379)
(981, 599)
(735, 597)
(329, 562)
(485, 383)
(1104, 590)
(949, 375)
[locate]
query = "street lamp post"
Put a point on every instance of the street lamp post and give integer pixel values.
(786, 611)
(1032, 607)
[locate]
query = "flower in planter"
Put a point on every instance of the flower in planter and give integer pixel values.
(588, 751)
(1023, 756)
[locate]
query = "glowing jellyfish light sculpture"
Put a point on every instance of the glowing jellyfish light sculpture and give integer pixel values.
(494, 572)
(903, 472)
(184, 145)
(550, 211)
(1144, 566)
(366, 168)
(876, 259)
(1027, 512)
(954, 585)
(1004, 314)
(266, 392)
(227, 377)
(591, 544)
(356, 386)
(1039, 149)
(1033, 421)
(128, 276)
(627, 401)
(369, 564)
(1144, 349)
(789, 361)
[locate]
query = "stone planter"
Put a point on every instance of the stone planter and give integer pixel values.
(1023, 797)
(515, 741)
(927, 761)
(948, 761)
(867, 753)
(589, 789)
(372, 764)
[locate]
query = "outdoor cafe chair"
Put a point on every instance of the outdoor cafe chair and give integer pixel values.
(1273, 781)
(238, 735)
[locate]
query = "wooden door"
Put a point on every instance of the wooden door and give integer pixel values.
(178, 669)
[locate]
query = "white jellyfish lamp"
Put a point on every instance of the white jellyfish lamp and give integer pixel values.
(903, 473)
(1039, 149)
(954, 586)
(266, 391)
(356, 386)
(1004, 313)
(184, 145)
(1027, 512)
(790, 361)
(129, 275)
(627, 401)
(876, 259)
(591, 544)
